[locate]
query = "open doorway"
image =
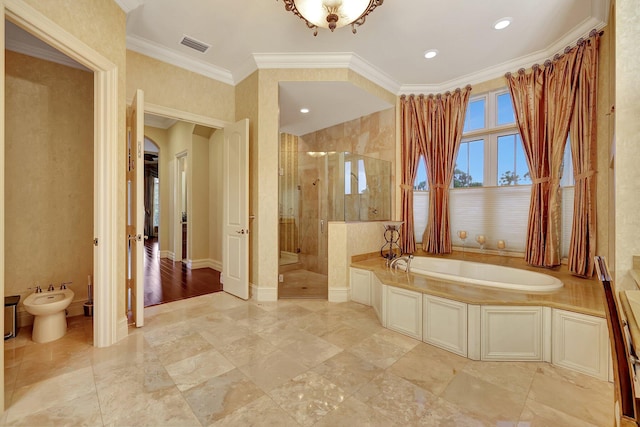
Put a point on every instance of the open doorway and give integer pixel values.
(181, 192)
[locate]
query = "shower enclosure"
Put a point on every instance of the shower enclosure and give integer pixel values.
(318, 187)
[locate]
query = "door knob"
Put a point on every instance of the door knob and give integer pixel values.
(240, 232)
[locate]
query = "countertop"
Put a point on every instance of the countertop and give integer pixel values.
(577, 295)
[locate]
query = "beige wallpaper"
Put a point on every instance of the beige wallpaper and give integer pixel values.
(170, 86)
(606, 124)
(179, 142)
(627, 138)
(199, 194)
(48, 175)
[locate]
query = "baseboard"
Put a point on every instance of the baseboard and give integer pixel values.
(122, 330)
(263, 294)
(75, 309)
(338, 294)
(195, 264)
(170, 255)
(215, 264)
(166, 254)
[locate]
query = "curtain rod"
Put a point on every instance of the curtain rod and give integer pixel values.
(437, 96)
(567, 49)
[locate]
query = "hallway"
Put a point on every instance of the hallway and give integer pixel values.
(166, 281)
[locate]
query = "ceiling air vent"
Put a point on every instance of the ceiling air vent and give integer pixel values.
(194, 44)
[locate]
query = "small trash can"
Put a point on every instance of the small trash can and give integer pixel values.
(10, 316)
(88, 308)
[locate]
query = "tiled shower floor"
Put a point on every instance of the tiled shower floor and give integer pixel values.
(303, 284)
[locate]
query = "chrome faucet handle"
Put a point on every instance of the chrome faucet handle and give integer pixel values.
(51, 287)
(37, 289)
(64, 285)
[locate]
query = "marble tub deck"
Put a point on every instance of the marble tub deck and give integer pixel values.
(578, 294)
(217, 360)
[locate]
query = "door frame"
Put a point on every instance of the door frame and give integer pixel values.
(107, 327)
(172, 113)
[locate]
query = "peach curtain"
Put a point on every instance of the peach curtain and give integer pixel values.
(543, 101)
(583, 151)
(442, 120)
(410, 156)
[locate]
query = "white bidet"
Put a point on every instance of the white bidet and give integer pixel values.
(48, 309)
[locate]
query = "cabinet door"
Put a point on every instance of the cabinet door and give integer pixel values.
(445, 324)
(580, 343)
(511, 333)
(404, 311)
(361, 286)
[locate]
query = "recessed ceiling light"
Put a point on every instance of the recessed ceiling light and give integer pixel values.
(431, 53)
(304, 110)
(502, 23)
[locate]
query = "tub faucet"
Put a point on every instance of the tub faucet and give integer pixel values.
(406, 259)
(51, 287)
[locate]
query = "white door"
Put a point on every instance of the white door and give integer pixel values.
(235, 226)
(135, 209)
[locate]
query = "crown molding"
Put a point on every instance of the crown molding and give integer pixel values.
(373, 74)
(129, 5)
(245, 69)
(354, 62)
(347, 60)
(302, 60)
(499, 70)
(163, 54)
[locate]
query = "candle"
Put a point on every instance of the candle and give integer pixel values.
(462, 234)
(480, 239)
(501, 244)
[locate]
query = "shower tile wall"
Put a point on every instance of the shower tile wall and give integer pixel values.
(289, 201)
(372, 136)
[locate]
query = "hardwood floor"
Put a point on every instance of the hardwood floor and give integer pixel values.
(166, 281)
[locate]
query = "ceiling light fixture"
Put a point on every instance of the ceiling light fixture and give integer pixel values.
(502, 23)
(304, 110)
(431, 53)
(332, 14)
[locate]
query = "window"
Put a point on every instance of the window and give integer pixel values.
(355, 178)
(512, 163)
(469, 168)
(474, 119)
(491, 190)
(421, 183)
(505, 114)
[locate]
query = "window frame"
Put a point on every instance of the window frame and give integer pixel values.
(490, 135)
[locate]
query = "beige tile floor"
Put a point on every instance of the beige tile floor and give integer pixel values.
(301, 283)
(217, 360)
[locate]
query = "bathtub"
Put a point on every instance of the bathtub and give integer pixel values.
(476, 273)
